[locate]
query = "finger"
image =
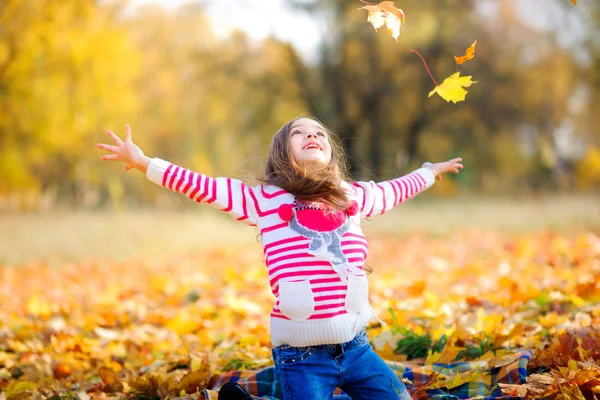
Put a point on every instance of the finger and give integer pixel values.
(108, 147)
(127, 133)
(111, 157)
(455, 160)
(117, 139)
(458, 166)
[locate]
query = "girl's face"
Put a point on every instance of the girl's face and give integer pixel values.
(309, 142)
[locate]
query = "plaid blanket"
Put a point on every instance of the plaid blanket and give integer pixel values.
(460, 380)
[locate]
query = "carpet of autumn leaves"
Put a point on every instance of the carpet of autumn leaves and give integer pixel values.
(163, 327)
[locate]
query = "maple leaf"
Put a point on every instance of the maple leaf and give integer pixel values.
(469, 54)
(194, 380)
(574, 2)
(110, 380)
(385, 13)
(452, 89)
(453, 381)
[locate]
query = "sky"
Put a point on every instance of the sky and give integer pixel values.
(259, 18)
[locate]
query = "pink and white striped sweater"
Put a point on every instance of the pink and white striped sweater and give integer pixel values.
(315, 268)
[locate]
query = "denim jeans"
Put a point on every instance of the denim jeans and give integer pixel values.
(314, 372)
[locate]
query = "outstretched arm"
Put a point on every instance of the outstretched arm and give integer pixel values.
(377, 198)
(225, 194)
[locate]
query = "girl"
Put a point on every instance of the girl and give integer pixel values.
(309, 218)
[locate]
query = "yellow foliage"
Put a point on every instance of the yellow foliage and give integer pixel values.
(588, 169)
(184, 323)
(432, 358)
(39, 307)
(73, 72)
(487, 324)
(20, 390)
(552, 319)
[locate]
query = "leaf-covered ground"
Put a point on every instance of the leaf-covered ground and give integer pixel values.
(164, 326)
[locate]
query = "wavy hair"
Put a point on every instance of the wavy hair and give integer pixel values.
(307, 182)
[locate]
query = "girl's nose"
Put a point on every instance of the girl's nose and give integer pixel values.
(311, 134)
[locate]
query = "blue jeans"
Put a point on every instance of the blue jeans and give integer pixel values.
(314, 372)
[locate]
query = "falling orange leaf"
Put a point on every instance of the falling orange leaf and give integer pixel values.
(574, 2)
(385, 13)
(469, 54)
(452, 89)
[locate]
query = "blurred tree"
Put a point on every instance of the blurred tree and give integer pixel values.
(374, 91)
(69, 70)
(210, 105)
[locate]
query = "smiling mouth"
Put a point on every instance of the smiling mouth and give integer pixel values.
(312, 146)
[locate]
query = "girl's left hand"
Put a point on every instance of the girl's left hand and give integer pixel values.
(438, 169)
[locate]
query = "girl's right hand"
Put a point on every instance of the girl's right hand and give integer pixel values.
(125, 151)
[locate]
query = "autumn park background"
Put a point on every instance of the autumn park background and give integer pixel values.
(112, 286)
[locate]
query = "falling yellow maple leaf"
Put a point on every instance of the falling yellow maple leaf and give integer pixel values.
(452, 87)
(385, 13)
(469, 54)
(574, 2)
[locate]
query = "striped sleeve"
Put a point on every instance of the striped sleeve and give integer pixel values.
(377, 198)
(229, 195)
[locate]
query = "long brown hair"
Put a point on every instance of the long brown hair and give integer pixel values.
(320, 183)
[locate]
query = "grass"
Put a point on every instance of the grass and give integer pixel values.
(64, 237)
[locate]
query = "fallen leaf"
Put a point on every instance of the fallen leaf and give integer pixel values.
(432, 358)
(513, 390)
(20, 390)
(571, 391)
(61, 371)
(110, 380)
(193, 381)
(456, 380)
(552, 319)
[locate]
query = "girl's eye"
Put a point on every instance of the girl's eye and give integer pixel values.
(294, 132)
(321, 134)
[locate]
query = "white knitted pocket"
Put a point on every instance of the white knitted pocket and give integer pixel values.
(357, 295)
(296, 299)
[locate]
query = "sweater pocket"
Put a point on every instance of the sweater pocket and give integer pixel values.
(357, 295)
(296, 300)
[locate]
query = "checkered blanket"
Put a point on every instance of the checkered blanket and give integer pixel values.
(460, 380)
